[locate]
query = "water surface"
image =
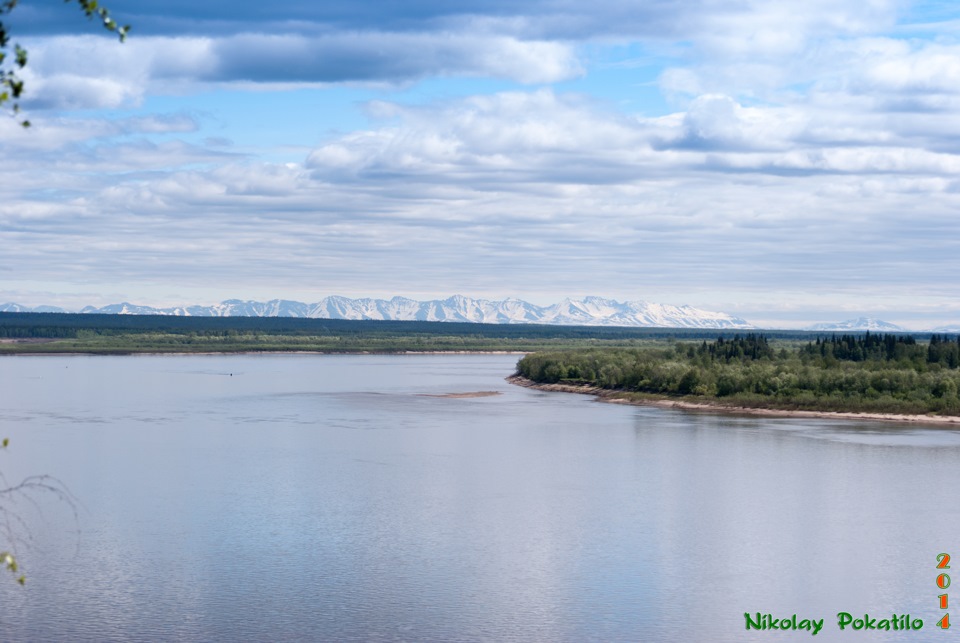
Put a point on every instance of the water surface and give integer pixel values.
(307, 497)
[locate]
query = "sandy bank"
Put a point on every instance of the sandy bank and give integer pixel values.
(622, 397)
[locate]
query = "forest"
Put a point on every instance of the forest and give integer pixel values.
(877, 373)
(120, 334)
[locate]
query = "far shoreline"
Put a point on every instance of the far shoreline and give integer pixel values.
(133, 353)
(614, 396)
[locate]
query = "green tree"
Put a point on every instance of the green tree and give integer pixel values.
(11, 85)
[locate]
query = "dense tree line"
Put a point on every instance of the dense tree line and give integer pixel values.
(880, 373)
(99, 333)
(886, 348)
(54, 325)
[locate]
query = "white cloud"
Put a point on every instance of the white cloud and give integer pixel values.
(932, 69)
(82, 72)
(509, 138)
(88, 72)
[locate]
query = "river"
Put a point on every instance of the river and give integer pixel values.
(333, 497)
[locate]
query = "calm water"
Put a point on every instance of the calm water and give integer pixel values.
(304, 497)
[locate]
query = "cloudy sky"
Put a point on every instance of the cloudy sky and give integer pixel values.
(787, 161)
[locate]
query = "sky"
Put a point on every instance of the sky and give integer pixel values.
(786, 161)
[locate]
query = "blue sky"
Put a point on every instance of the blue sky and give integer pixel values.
(789, 162)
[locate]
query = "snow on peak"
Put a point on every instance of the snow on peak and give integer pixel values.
(589, 311)
(859, 324)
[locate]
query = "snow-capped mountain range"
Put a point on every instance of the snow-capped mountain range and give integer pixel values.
(589, 311)
(860, 324)
(872, 324)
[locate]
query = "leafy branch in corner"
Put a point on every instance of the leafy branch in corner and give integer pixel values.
(11, 85)
(13, 527)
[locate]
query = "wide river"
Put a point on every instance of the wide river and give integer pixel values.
(342, 498)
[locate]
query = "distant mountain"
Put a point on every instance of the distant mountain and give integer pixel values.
(17, 308)
(589, 311)
(860, 324)
(953, 328)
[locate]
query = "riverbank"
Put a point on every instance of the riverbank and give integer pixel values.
(174, 353)
(642, 399)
